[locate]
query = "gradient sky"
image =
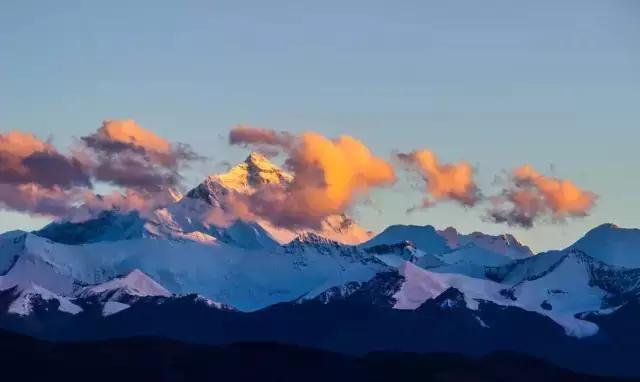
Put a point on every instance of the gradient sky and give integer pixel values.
(497, 83)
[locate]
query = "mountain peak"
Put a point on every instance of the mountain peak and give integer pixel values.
(425, 238)
(135, 283)
(259, 160)
(606, 227)
(611, 244)
(313, 238)
(254, 171)
(244, 178)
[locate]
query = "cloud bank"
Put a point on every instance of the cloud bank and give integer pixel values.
(329, 177)
(36, 178)
(26, 159)
(123, 153)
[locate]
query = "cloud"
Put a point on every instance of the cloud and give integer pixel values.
(34, 199)
(529, 196)
(36, 178)
(123, 153)
(443, 181)
(128, 200)
(266, 141)
(329, 176)
(26, 159)
(247, 135)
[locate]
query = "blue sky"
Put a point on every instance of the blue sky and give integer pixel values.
(497, 83)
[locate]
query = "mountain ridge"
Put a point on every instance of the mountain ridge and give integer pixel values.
(190, 260)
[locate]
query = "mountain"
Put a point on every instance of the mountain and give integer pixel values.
(504, 244)
(245, 177)
(110, 225)
(247, 279)
(424, 238)
(314, 291)
(410, 288)
(612, 245)
(355, 323)
(453, 247)
(204, 214)
(133, 284)
(23, 300)
(256, 171)
(396, 254)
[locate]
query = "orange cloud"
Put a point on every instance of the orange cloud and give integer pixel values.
(531, 195)
(444, 181)
(130, 133)
(561, 195)
(123, 153)
(21, 145)
(26, 159)
(37, 179)
(329, 175)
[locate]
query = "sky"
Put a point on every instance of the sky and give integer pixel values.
(499, 84)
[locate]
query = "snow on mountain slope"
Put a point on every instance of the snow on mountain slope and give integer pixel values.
(344, 229)
(245, 279)
(425, 238)
(134, 288)
(421, 285)
(250, 235)
(135, 284)
(30, 266)
(612, 245)
(113, 307)
(452, 247)
(249, 175)
(11, 246)
(255, 171)
(108, 225)
(410, 287)
(505, 244)
(27, 296)
(471, 254)
(567, 289)
(204, 215)
(582, 274)
(395, 255)
(526, 269)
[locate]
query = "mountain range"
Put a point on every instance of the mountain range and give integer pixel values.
(191, 270)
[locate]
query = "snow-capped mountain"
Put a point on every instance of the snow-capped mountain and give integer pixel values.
(424, 238)
(190, 257)
(504, 244)
(133, 284)
(247, 279)
(204, 214)
(477, 247)
(246, 178)
(107, 225)
(244, 266)
(612, 245)
(23, 299)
